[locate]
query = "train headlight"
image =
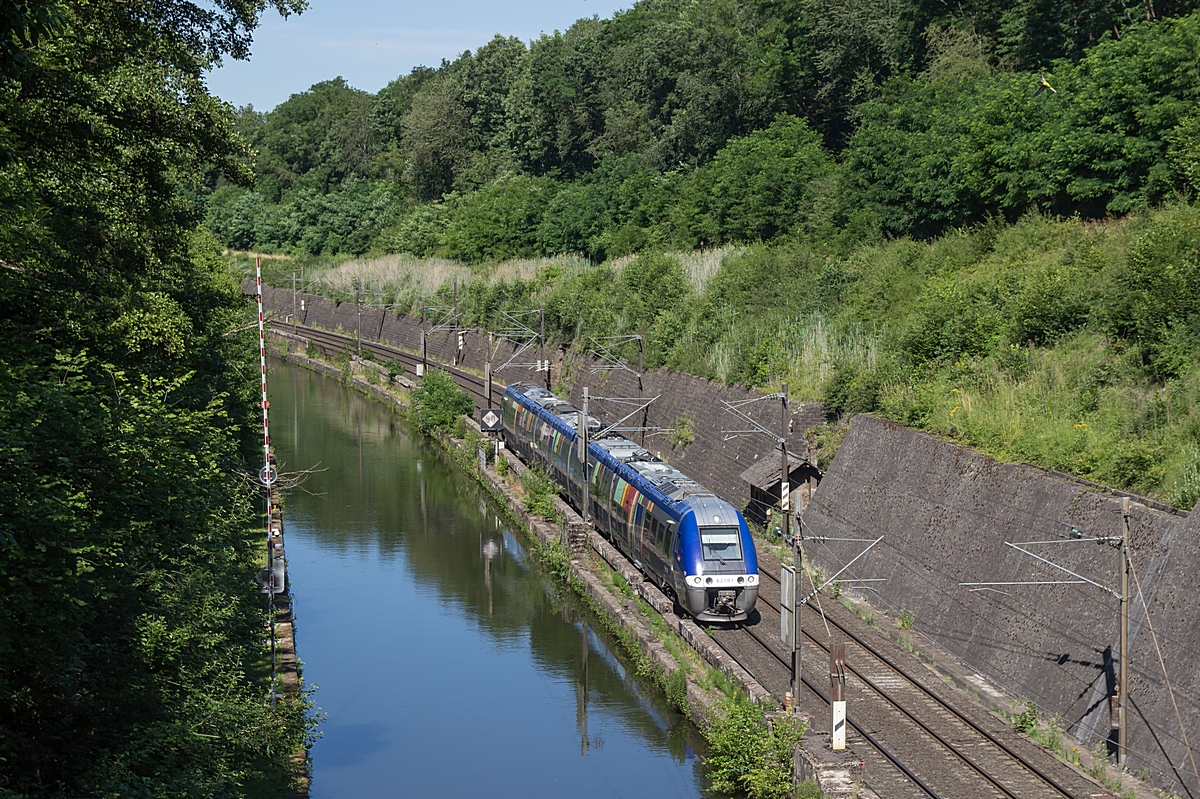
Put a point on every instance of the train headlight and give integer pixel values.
(708, 580)
(695, 580)
(752, 579)
(741, 580)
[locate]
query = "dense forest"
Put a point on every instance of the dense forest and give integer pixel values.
(682, 124)
(973, 218)
(132, 661)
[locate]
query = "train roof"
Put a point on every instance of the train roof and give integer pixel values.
(563, 412)
(639, 467)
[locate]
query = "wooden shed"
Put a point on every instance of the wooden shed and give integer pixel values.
(763, 478)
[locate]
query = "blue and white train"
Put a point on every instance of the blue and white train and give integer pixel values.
(690, 542)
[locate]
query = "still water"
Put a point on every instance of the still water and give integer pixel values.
(446, 664)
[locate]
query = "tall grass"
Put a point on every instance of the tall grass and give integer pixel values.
(405, 282)
(701, 265)
(802, 351)
(1125, 430)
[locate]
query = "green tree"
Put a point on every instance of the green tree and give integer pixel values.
(757, 186)
(130, 633)
(439, 404)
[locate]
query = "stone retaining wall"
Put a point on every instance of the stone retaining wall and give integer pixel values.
(715, 458)
(946, 511)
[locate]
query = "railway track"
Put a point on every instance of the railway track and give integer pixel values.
(333, 343)
(915, 739)
(896, 705)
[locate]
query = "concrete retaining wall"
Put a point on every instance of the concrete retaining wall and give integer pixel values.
(946, 512)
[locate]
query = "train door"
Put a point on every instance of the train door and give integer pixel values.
(654, 557)
(574, 476)
(601, 488)
(619, 519)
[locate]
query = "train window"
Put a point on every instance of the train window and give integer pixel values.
(721, 543)
(656, 530)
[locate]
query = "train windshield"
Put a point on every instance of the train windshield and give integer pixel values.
(721, 543)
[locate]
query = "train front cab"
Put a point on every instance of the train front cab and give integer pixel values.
(720, 569)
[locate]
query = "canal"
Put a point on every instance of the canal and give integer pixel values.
(446, 664)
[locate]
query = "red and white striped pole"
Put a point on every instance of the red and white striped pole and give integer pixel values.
(262, 361)
(266, 473)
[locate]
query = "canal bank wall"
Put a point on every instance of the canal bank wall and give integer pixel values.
(635, 611)
(287, 662)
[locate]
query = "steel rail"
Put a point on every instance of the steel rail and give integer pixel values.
(943, 703)
(465, 379)
(875, 744)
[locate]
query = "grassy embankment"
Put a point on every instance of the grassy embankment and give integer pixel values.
(1068, 344)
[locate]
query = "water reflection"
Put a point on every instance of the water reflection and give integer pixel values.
(447, 665)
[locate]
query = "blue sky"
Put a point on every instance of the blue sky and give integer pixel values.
(371, 42)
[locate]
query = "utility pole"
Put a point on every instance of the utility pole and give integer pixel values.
(294, 318)
(424, 366)
(785, 485)
(487, 384)
(641, 392)
(1123, 690)
(542, 343)
(583, 456)
(358, 324)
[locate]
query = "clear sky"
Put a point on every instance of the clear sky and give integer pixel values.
(372, 42)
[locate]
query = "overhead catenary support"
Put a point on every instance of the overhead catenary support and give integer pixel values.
(542, 343)
(1120, 701)
(583, 457)
(615, 427)
(785, 484)
(1123, 690)
(525, 337)
(423, 366)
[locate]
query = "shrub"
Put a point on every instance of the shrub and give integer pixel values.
(539, 494)
(683, 431)
(747, 757)
(439, 404)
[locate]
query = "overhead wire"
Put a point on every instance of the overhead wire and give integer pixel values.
(1027, 689)
(1076, 589)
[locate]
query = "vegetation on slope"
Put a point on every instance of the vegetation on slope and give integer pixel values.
(131, 656)
(877, 208)
(680, 125)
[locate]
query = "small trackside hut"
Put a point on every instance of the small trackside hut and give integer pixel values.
(683, 537)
